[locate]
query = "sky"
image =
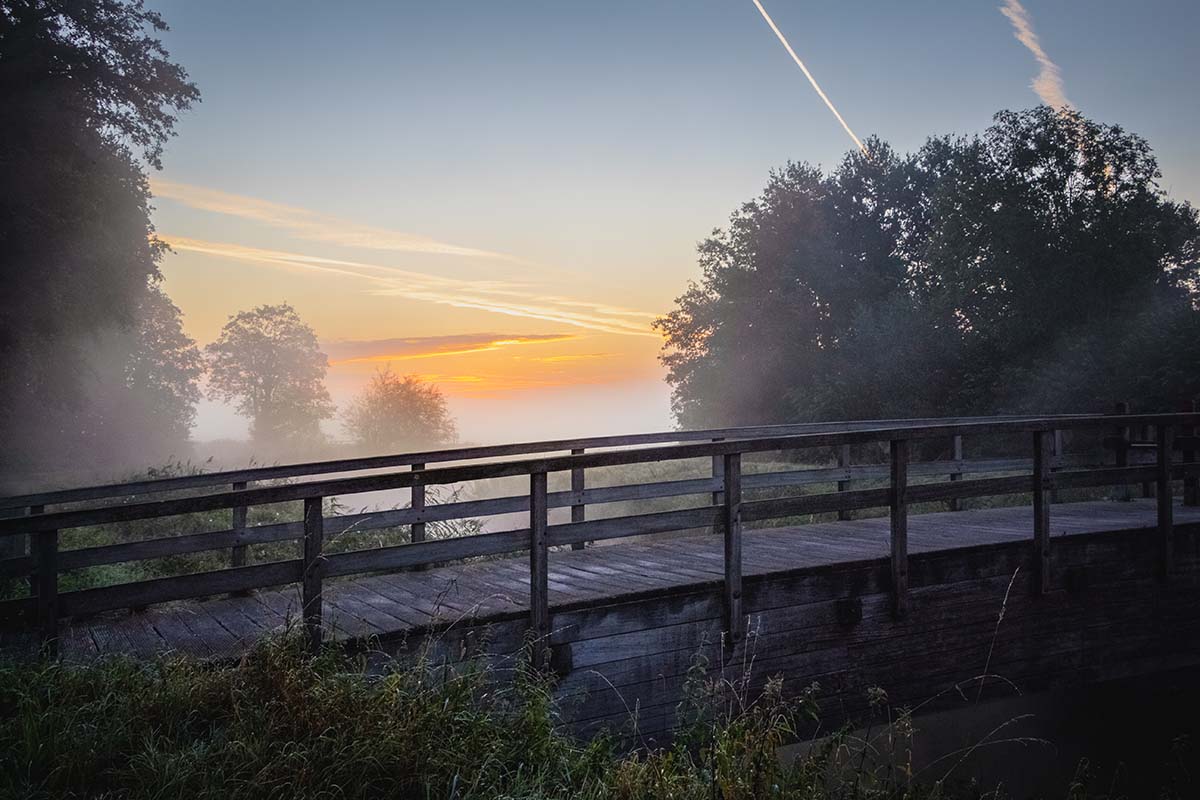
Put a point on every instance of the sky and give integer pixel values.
(501, 197)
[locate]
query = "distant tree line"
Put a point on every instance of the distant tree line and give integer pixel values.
(96, 372)
(1037, 267)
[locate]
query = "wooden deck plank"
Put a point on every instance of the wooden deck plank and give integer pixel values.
(392, 603)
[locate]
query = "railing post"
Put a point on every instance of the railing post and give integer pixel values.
(25, 545)
(539, 570)
(1165, 440)
(956, 454)
(417, 503)
(718, 471)
(1123, 441)
(1191, 483)
(237, 524)
(578, 510)
(1057, 452)
(844, 485)
(899, 526)
(1041, 511)
(1147, 486)
(45, 547)
(314, 533)
(732, 525)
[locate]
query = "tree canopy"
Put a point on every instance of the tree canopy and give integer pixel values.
(1036, 267)
(399, 412)
(89, 97)
(268, 362)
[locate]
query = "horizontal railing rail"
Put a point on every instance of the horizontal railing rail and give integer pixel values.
(728, 502)
(473, 453)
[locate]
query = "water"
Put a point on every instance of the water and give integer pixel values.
(1137, 737)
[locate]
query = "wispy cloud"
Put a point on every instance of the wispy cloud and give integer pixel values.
(568, 357)
(1048, 84)
(312, 225)
(498, 297)
(829, 103)
(381, 350)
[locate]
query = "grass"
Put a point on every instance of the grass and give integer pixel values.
(285, 724)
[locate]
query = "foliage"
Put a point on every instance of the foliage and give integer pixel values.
(284, 724)
(149, 393)
(395, 413)
(88, 93)
(1036, 267)
(269, 361)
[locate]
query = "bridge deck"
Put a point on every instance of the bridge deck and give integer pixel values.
(393, 604)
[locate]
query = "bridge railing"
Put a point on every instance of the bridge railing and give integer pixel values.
(725, 508)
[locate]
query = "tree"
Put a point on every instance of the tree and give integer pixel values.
(269, 363)
(396, 413)
(164, 368)
(1008, 271)
(89, 98)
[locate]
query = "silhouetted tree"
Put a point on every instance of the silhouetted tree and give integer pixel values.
(88, 97)
(268, 362)
(1009, 271)
(164, 368)
(396, 413)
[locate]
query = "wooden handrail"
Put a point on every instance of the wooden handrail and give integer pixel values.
(472, 453)
(503, 469)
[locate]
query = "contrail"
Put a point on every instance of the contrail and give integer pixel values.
(807, 74)
(1048, 84)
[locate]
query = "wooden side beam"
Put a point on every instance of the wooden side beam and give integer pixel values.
(732, 529)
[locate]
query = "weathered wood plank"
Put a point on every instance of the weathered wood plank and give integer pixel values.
(183, 587)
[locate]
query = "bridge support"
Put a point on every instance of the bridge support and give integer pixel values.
(732, 526)
(310, 587)
(843, 461)
(237, 524)
(417, 503)
(899, 527)
(956, 453)
(1042, 447)
(1191, 484)
(45, 546)
(539, 571)
(578, 484)
(1165, 441)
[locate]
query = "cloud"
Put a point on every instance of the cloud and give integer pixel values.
(498, 297)
(1048, 83)
(380, 350)
(829, 103)
(571, 357)
(312, 225)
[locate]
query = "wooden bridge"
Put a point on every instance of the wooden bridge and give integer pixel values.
(1066, 578)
